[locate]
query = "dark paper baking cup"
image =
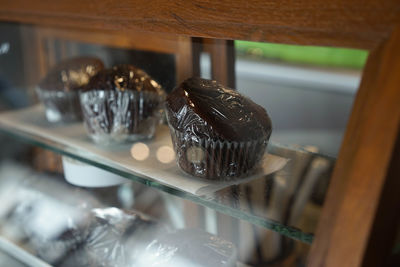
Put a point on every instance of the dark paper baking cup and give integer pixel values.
(60, 106)
(115, 116)
(216, 160)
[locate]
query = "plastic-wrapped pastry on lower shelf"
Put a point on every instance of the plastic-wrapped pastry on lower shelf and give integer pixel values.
(42, 213)
(118, 238)
(188, 247)
(47, 226)
(64, 226)
(52, 234)
(114, 238)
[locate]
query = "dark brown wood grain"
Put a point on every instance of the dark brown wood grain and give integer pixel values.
(387, 219)
(31, 54)
(352, 23)
(356, 218)
(184, 59)
(162, 43)
(362, 171)
(222, 54)
(179, 46)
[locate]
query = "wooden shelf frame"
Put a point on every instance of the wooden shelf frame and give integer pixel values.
(353, 23)
(359, 216)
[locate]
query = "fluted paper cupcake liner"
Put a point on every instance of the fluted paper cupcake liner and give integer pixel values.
(216, 160)
(115, 116)
(61, 106)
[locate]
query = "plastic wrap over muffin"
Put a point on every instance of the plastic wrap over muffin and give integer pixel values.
(188, 247)
(217, 133)
(58, 90)
(121, 104)
(69, 227)
(110, 237)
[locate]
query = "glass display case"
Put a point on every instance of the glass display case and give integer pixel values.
(103, 163)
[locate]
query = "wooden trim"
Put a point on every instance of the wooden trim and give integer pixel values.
(196, 53)
(161, 43)
(383, 234)
(352, 23)
(179, 46)
(33, 60)
(193, 214)
(362, 172)
(356, 219)
(222, 54)
(184, 59)
(51, 55)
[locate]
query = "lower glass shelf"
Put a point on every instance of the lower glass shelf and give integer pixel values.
(280, 199)
(13, 255)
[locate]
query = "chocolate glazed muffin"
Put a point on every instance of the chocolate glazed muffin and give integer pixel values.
(58, 90)
(217, 133)
(121, 104)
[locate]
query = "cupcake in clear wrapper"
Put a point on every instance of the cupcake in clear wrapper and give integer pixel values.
(217, 133)
(58, 90)
(121, 104)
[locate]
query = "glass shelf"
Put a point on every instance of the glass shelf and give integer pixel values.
(13, 255)
(277, 201)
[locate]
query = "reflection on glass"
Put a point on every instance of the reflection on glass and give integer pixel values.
(165, 154)
(4, 48)
(281, 181)
(140, 151)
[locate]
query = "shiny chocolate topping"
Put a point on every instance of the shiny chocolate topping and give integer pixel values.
(71, 74)
(123, 78)
(205, 108)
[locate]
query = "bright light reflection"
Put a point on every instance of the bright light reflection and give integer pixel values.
(165, 154)
(140, 151)
(280, 180)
